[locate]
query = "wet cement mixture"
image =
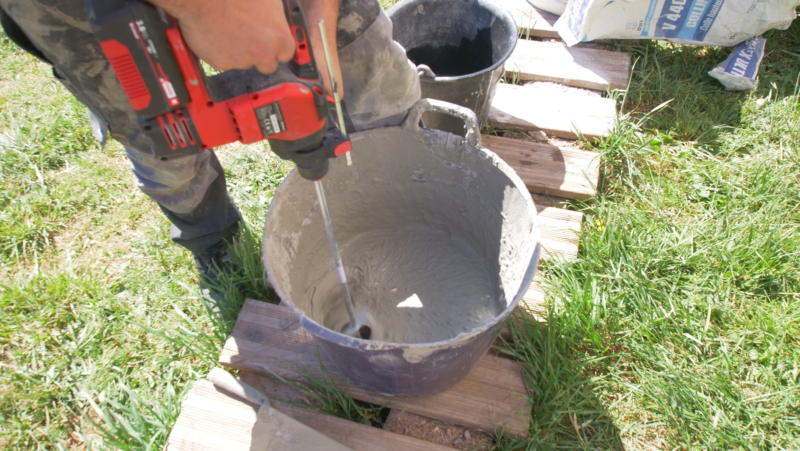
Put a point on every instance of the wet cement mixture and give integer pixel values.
(412, 285)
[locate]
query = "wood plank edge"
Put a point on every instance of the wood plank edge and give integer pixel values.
(574, 82)
(566, 134)
(354, 434)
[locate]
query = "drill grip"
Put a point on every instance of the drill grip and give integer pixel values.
(185, 112)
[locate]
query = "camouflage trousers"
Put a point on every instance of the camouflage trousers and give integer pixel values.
(380, 86)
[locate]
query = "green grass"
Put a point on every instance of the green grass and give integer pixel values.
(103, 325)
(324, 395)
(678, 325)
(675, 329)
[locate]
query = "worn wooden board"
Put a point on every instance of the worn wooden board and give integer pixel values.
(554, 109)
(268, 340)
(530, 20)
(533, 301)
(547, 169)
(559, 229)
(211, 420)
(589, 68)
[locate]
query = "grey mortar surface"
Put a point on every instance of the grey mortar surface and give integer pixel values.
(419, 213)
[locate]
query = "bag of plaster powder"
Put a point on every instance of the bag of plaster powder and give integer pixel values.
(738, 72)
(700, 22)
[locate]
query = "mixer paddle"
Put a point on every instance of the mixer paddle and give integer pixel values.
(353, 329)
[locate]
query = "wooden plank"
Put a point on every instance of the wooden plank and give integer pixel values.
(548, 169)
(356, 436)
(211, 420)
(602, 70)
(559, 229)
(268, 340)
(530, 20)
(558, 112)
(533, 301)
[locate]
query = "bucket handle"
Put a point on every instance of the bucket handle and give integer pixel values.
(468, 116)
(424, 71)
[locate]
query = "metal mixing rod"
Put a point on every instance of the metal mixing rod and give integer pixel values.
(352, 329)
(334, 85)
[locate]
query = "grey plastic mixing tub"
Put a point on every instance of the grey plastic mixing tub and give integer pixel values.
(459, 47)
(439, 240)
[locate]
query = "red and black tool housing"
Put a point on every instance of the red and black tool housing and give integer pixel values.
(184, 111)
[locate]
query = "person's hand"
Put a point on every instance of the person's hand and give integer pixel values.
(240, 34)
(234, 34)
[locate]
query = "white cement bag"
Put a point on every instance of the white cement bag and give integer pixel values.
(701, 22)
(738, 71)
(556, 7)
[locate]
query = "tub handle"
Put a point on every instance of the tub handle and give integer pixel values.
(468, 116)
(424, 71)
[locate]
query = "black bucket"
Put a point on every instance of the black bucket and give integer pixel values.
(459, 48)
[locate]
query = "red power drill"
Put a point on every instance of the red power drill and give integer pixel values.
(184, 111)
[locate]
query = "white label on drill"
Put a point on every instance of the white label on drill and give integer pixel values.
(169, 91)
(271, 119)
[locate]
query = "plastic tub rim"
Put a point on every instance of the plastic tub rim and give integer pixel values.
(325, 333)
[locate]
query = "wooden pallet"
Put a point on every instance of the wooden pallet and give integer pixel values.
(547, 169)
(558, 108)
(268, 340)
(589, 68)
(558, 112)
(211, 420)
(559, 230)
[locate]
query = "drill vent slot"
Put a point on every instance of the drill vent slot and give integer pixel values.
(170, 137)
(235, 124)
(127, 73)
(187, 131)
